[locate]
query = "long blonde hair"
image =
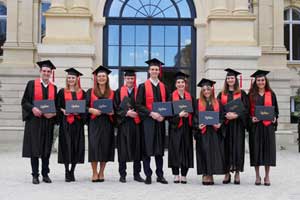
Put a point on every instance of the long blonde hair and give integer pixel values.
(77, 88)
(212, 98)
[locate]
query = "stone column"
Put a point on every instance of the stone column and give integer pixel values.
(241, 7)
(219, 6)
(58, 6)
(12, 23)
(80, 6)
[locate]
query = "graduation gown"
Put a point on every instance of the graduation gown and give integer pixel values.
(209, 146)
(101, 136)
(128, 138)
(262, 138)
(38, 132)
(180, 149)
(71, 136)
(153, 132)
(234, 132)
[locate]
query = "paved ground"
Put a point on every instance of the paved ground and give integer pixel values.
(15, 182)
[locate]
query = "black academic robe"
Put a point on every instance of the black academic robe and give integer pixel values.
(262, 139)
(38, 132)
(209, 146)
(180, 149)
(100, 136)
(128, 138)
(71, 136)
(153, 132)
(234, 132)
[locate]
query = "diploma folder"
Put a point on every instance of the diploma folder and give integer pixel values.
(209, 118)
(236, 106)
(104, 105)
(163, 108)
(126, 104)
(75, 106)
(264, 112)
(45, 106)
(182, 105)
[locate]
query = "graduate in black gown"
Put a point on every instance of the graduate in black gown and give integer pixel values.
(128, 123)
(153, 124)
(180, 151)
(262, 133)
(209, 140)
(100, 125)
(38, 132)
(234, 126)
(71, 128)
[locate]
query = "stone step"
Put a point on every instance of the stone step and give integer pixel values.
(12, 87)
(10, 115)
(11, 108)
(11, 123)
(11, 101)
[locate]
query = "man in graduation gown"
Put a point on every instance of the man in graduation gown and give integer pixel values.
(128, 139)
(153, 124)
(38, 133)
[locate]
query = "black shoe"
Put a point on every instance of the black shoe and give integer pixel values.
(228, 180)
(258, 182)
(176, 182)
(139, 179)
(148, 180)
(237, 182)
(46, 179)
(183, 182)
(122, 179)
(67, 176)
(100, 180)
(72, 176)
(35, 180)
(205, 183)
(161, 180)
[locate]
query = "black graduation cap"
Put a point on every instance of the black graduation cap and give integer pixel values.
(259, 73)
(46, 63)
(232, 72)
(101, 69)
(206, 82)
(129, 72)
(72, 71)
(154, 61)
(181, 75)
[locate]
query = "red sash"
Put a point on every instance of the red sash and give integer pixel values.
(267, 102)
(175, 97)
(38, 92)
(202, 108)
(68, 97)
(124, 93)
(224, 100)
(94, 98)
(149, 93)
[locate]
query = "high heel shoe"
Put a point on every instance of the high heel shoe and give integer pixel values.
(258, 182)
(266, 183)
(228, 180)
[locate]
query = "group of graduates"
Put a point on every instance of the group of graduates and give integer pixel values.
(141, 134)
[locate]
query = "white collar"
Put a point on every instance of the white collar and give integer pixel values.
(154, 82)
(44, 84)
(129, 90)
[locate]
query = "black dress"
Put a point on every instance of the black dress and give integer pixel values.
(128, 138)
(234, 132)
(209, 147)
(262, 138)
(153, 132)
(38, 132)
(71, 143)
(100, 136)
(180, 149)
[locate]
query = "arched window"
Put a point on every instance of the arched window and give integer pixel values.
(292, 33)
(138, 30)
(3, 17)
(45, 5)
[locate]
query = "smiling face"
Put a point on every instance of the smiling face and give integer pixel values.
(45, 73)
(230, 80)
(180, 84)
(261, 82)
(154, 71)
(71, 80)
(129, 81)
(101, 78)
(206, 91)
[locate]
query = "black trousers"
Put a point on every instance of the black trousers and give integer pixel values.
(35, 166)
(184, 171)
(136, 168)
(159, 166)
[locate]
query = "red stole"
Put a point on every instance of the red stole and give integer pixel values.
(38, 92)
(267, 102)
(224, 100)
(202, 108)
(94, 98)
(175, 97)
(124, 93)
(68, 97)
(149, 93)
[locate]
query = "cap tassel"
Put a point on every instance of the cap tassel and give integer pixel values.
(241, 81)
(160, 71)
(95, 81)
(79, 84)
(134, 81)
(53, 76)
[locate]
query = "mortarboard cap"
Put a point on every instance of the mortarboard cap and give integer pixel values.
(206, 82)
(101, 69)
(72, 71)
(154, 61)
(181, 75)
(46, 63)
(232, 72)
(259, 73)
(129, 72)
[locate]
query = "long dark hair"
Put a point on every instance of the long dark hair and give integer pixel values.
(254, 89)
(236, 86)
(97, 90)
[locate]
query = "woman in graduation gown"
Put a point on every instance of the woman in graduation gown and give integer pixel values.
(234, 126)
(180, 152)
(262, 133)
(100, 125)
(209, 140)
(71, 129)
